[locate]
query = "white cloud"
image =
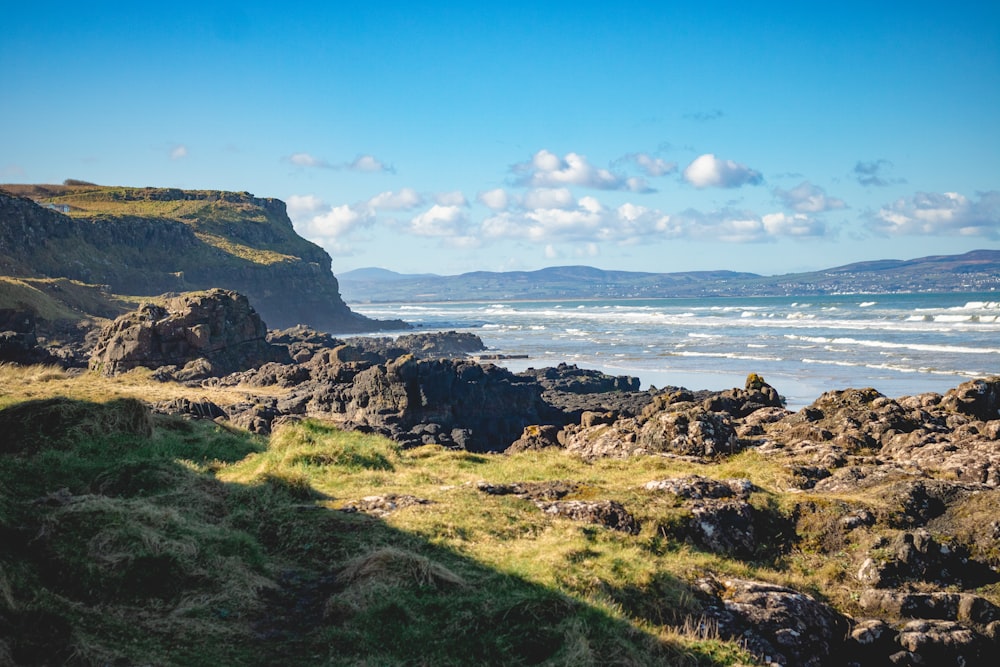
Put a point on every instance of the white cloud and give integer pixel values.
(439, 221)
(808, 198)
(363, 163)
(798, 224)
(300, 206)
(307, 160)
(548, 170)
(368, 163)
(548, 198)
(336, 222)
(404, 200)
(178, 152)
(652, 166)
(496, 199)
(455, 198)
(709, 171)
(946, 213)
(743, 226)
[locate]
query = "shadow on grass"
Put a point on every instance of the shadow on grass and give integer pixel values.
(118, 546)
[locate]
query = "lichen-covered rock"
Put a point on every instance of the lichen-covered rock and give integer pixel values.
(918, 557)
(781, 626)
(939, 605)
(219, 327)
(535, 437)
(977, 398)
(698, 487)
(944, 644)
(381, 506)
(692, 431)
(608, 513)
(546, 491)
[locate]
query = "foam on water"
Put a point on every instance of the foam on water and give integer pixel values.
(896, 343)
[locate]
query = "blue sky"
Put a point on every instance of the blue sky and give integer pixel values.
(450, 137)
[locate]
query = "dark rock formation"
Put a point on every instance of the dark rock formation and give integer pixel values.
(944, 643)
(421, 401)
(213, 333)
(433, 345)
(779, 625)
(539, 491)
(381, 506)
(608, 513)
(19, 340)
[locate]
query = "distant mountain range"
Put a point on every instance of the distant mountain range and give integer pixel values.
(975, 271)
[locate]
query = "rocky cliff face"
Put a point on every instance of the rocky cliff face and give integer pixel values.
(147, 241)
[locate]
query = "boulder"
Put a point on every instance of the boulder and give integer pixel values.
(535, 437)
(944, 644)
(779, 625)
(608, 513)
(977, 398)
(19, 340)
(689, 429)
(205, 333)
(697, 487)
(939, 605)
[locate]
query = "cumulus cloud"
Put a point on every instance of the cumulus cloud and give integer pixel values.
(874, 173)
(404, 200)
(733, 226)
(368, 163)
(948, 213)
(301, 206)
(808, 198)
(444, 221)
(548, 198)
(329, 227)
(548, 170)
(651, 166)
(709, 171)
(496, 199)
(307, 160)
(362, 163)
(178, 152)
(455, 198)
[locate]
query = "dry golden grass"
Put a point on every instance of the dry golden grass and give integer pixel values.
(20, 383)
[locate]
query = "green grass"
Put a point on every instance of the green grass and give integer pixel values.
(158, 540)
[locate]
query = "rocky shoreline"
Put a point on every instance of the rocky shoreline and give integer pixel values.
(924, 555)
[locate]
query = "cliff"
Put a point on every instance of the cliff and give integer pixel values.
(147, 241)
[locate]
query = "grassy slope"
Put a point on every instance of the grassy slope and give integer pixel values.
(165, 541)
(159, 540)
(60, 300)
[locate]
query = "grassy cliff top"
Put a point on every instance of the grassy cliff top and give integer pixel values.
(250, 228)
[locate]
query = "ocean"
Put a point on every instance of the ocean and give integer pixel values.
(900, 344)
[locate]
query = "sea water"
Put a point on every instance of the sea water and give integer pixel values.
(901, 344)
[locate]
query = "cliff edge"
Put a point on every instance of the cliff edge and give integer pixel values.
(148, 241)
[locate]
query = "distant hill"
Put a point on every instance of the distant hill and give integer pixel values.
(978, 270)
(148, 241)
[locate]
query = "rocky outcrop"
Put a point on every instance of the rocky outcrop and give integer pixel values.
(779, 625)
(19, 340)
(192, 335)
(418, 401)
(607, 513)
